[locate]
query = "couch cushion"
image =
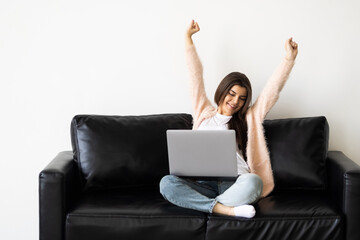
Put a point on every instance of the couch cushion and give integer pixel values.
(298, 149)
(117, 151)
(293, 215)
(132, 214)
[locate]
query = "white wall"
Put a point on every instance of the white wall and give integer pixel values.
(61, 58)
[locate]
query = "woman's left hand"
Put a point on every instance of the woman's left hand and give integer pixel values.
(291, 48)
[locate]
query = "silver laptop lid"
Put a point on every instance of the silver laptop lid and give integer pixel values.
(202, 153)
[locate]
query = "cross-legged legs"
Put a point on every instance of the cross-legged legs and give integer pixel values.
(224, 197)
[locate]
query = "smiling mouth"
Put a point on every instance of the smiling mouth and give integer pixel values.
(233, 107)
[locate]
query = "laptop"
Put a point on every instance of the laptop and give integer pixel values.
(202, 154)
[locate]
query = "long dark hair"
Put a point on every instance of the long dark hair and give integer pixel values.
(238, 120)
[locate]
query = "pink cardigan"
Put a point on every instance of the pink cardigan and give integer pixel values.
(258, 157)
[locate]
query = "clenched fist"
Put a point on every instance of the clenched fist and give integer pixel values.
(193, 28)
(291, 48)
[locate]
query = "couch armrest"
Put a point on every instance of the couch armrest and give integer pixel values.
(344, 187)
(59, 184)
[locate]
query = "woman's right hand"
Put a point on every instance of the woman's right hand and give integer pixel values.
(193, 28)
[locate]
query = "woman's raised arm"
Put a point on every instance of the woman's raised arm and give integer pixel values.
(271, 92)
(197, 89)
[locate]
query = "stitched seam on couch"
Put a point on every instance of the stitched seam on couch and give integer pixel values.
(328, 218)
(211, 218)
(77, 145)
(131, 216)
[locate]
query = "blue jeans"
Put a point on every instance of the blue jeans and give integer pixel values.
(203, 195)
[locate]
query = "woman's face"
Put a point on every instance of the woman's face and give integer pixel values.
(233, 101)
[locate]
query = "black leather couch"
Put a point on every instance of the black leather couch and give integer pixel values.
(108, 186)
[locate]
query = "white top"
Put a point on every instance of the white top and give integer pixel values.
(220, 122)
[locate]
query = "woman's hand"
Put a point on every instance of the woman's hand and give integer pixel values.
(193, 28)
(291, 48)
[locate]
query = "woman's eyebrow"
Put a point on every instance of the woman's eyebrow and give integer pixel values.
(235, 93)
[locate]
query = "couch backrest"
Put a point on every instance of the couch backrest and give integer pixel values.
(128, 151)
(298, 149)
(123, 151)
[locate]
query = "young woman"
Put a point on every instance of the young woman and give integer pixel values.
(233, 99)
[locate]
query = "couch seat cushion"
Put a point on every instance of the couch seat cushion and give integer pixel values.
(290, 215)
(126, 214)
